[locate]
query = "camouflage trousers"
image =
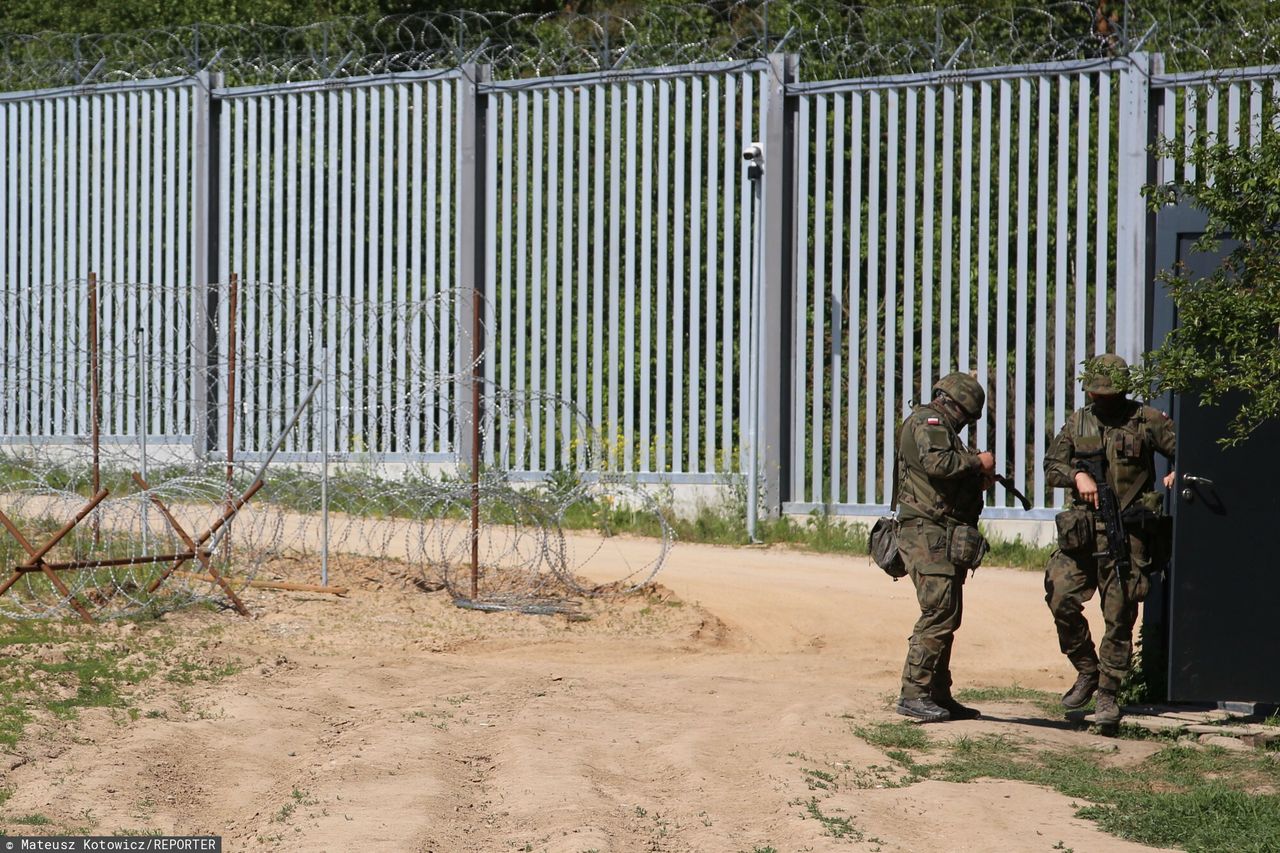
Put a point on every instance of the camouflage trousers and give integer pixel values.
(1070, 580)
(940, 593)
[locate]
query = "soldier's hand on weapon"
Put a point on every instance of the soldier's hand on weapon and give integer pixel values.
(1087, 488)
(1169, 479)
(988, 460)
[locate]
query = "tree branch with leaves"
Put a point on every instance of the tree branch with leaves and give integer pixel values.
(1226, 341)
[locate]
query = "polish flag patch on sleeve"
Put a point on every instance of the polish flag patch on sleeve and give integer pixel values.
(934, 422)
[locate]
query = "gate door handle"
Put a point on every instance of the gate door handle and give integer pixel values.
(1199, 481)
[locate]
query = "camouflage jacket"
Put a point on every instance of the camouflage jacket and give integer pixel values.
(1129, 438)
(939, 478)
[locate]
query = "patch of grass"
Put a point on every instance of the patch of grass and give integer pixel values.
(31, 820)
(836, 827)
(60, 668)
(901, 735)
(819, 779)
(191, 671)
(83, 673)
(1050, 703)
(1183, 796)
(1016, 553)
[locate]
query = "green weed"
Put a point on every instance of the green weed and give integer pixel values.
(1182, 796)
(836, 827)
(31, 820)
(901, 735)
(1047, 702)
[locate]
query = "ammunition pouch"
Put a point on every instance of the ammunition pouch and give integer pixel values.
(883, 545)
(1156, 530)
(1075, 530)
(966, 546)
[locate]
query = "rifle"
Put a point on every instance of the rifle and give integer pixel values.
(1109, 509)
(1007, 482)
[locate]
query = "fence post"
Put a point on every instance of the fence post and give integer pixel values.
(1135, 228)
(777, 271)
(204, 260)
(472, 167)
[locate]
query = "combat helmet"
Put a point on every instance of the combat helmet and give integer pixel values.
(965, 391)
(1107, 374)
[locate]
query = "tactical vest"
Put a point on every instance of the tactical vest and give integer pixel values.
(1128, 449)
(955, 499)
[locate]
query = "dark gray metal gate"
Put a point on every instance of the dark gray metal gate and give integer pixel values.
(1223, 588)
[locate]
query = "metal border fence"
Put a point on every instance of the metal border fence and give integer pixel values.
(608, 237)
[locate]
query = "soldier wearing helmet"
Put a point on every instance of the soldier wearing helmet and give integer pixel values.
(940, 484)
(1128, 434)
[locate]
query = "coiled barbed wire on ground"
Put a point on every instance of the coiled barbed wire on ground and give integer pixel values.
(388, 420)
(834, 39)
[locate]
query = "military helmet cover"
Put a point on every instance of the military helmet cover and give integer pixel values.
(965, 390)
(1106, 374)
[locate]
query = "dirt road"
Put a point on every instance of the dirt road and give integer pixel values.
(686, 720)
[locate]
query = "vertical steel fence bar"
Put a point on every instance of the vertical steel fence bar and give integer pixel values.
(629, 288)
(854, 301)
(678, 376)
(818, 462)
(892, 279)
(803, 330)
(871, 371)
(909, 256)
(1081, 283)
(663, 280)
(1039, 421)
(836, 296)
(646, 278)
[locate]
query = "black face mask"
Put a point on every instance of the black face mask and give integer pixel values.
(1109, 404)
(955, 415)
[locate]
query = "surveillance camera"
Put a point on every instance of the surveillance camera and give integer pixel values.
(753, 153)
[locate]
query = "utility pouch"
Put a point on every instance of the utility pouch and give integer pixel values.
(1075, 530)
(1157, 529)
(966, 546)
(883, 545)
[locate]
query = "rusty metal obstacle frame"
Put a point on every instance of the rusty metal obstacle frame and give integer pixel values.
(35, 556)
(195, 551)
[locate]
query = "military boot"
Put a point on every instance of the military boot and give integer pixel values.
(1108, 712)
(925, 710)
(1081, 692)
(956, 710)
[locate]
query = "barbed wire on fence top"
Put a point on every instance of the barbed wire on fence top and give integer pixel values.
(834, 39)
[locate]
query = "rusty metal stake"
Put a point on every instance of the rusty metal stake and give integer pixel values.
(95, 401)
(232, 322)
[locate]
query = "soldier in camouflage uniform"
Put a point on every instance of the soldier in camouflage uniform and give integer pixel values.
(940, 485)
(1129, 434)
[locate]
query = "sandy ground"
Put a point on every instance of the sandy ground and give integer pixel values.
(682, 720)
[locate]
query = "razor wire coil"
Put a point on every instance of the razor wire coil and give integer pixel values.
(833, 39)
